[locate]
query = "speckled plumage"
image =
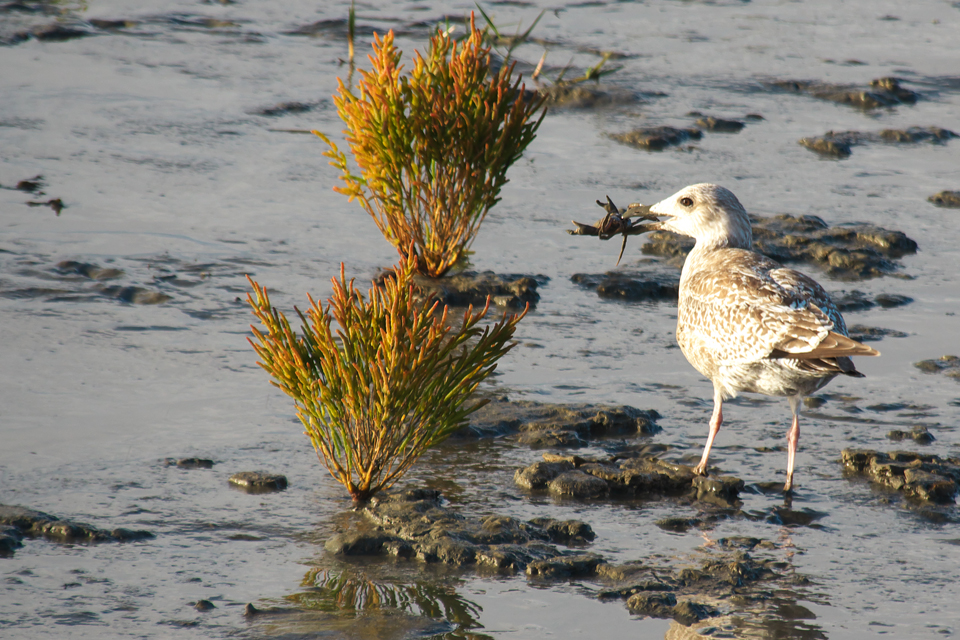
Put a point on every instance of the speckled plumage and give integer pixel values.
(746, 322)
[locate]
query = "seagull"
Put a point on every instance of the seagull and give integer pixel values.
(746, 322)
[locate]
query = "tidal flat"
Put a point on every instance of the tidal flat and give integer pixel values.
(153, 156)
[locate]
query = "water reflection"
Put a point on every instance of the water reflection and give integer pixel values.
(351, 595)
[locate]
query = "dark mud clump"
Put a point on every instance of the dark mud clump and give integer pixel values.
(882, 92)
(204, 605)
(562, 567)
(719, 125)
(335, 29)
(32, 185)
(849, 251)
(657, 138)
(285, 108)
(947, 365)
(54, 32)
(576, 95)
(189, 463)
(54, 203)
(919, 434)
(11, 539)
(545, 425)
(630, 286)
(948, 199)
(863, 333)
(857, 300)
(415, 524)
(734, 577)
(135, 295)
(730, 585)
(113, 25)
(258, 482)
(828, 146)
(510, 291)
(87, 270)
(839, 144)
(925, 478)
(28, 522)
(643, 475)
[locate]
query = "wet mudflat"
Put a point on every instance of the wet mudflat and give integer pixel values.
(154, 156)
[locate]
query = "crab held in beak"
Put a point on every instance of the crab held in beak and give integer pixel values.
(625, 222)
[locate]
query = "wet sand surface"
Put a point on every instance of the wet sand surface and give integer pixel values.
(171, 137)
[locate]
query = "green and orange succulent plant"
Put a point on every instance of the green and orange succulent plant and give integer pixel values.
(393, 380)
(433, 147)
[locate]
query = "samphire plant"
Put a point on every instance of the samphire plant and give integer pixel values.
(393, 380)
(433, 147)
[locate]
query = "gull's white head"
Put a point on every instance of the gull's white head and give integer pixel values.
(709, 213)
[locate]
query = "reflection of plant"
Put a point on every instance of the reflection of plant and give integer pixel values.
(354, 594)
(392, 382)
(433, 147)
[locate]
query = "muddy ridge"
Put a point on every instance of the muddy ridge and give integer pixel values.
(510, 291)
(727, 577)
(839, 144)
(881, 92)
(539, 424)
(657, 138)
(643, 474)
(414, 524)
(23, 522)
(922, 477)
(947, 365)
(845, 252)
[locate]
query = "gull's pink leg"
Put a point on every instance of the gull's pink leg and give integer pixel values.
(715, 421)
(793, 439)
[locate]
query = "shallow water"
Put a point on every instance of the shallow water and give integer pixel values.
(153, 137)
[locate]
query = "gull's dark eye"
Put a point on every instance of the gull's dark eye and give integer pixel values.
(687, 202)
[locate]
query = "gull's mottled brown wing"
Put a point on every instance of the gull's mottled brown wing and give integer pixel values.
(744, 307)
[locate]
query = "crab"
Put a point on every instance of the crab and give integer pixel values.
(625, 222)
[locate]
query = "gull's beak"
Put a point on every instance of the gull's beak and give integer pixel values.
(642, 211)
(662, 209)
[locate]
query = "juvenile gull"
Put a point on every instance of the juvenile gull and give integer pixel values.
(746, 322)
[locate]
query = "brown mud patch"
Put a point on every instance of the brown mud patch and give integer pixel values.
(287, 108)
(857, 300)
(53, 32)
(839, 144)
(735, 581)
(18, 522)
(642, 475)
(923, 479)
(716, 124)
(742, 587)
(863, 333)
(947, 365)
(258, 481)
(657, 138)
(881, 92)
(34, 185)
(189, 463)
(414, 524)
(919, 434)
(631, 286)
(576, 95)
(539, 424)
(508, 291)
(719, 125)
(845, 252)
(947, 199)
(150, 280)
